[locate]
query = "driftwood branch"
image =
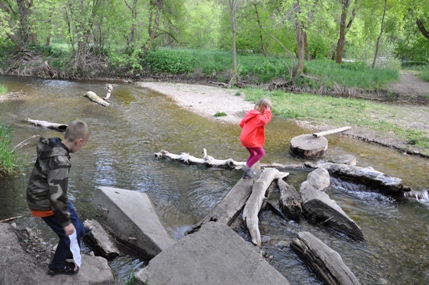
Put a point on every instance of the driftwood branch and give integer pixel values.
(95, 98)
(9, 219)
(205, 160)
(334, 131)
(24, 142)
(49, 125)
(255, 201)
(109, 88)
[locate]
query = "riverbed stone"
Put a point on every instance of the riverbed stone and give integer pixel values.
(131, 217)
(319, 208)
(19, 267)
(214, 254)
(344, 159)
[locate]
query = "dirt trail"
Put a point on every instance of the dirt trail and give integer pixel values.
(410, 85)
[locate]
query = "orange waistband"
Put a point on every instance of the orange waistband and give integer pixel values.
(42, 214)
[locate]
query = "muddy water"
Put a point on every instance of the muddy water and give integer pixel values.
(139, 123)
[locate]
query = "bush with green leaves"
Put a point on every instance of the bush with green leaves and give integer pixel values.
(170, 61)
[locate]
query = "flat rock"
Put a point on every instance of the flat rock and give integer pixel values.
(19, 267)
(131, 217)
(213, 255)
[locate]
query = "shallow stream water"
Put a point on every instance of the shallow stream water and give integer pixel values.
(139, 123)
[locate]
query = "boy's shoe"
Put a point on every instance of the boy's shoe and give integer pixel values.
(248, 173)
(69, 269)
(88, 230)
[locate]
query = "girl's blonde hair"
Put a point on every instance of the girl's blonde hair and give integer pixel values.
(263, 103)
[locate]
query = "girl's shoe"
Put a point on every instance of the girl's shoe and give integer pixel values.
(248, 173)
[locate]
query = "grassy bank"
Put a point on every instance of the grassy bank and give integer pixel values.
(209, 65)
(3, 89)
(397, 122)
(10, 162)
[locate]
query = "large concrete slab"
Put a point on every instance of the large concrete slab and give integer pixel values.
(213, 255)
(19, 267)
(131, 217)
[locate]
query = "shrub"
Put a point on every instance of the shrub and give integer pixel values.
(168, 61)
(220, 114)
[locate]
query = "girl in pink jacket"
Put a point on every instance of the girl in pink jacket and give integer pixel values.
(253, 134)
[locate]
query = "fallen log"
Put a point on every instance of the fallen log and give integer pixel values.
(95, 98)
(290, 200)
(229, 208)
(365, 176)
(254, 203)
(206, 160)
(48, 125)
(325, 262)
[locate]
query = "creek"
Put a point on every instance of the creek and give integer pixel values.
(139, 123)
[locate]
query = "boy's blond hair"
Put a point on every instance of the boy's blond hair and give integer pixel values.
(263, 103)
(77, 129)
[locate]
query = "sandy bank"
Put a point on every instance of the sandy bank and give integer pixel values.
(205, 100)
(208, 100)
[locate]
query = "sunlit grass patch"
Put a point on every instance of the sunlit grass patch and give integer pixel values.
(3, 89)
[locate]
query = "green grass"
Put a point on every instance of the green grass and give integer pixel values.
(220, 114)
(424, 74)
(3, 89)
(350, 74)
(257, 68)
(384, 119)
(419, 69)
(10, 163)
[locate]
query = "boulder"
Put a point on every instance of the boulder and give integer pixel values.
(319, 208)
(131, 217)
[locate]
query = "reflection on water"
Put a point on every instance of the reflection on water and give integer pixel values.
(139, 123)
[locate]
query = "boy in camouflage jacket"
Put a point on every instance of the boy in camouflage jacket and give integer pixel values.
(47, 195)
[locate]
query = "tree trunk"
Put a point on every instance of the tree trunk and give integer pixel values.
(26, 34)
(379, 36)
(133, 9)
(344, 29)
(422, 28)
(306, 49)
(153, 27)
(261, 38)
(232, 7)
(300, 34)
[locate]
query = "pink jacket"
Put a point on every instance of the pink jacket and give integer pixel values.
(253, 128)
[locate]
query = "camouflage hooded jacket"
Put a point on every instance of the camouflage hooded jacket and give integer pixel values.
(47, 188)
